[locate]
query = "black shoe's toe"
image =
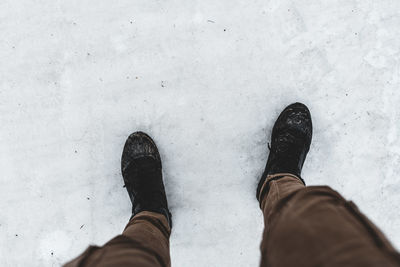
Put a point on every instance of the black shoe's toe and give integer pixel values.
(138, 145)
(296, 119)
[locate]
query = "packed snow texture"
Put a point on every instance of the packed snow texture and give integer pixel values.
(206, 79)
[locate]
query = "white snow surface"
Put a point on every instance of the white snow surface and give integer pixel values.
(206, 79)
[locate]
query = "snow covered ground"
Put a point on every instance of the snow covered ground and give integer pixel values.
(206, 79)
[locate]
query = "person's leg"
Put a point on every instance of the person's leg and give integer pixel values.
(311, 226)
(315, 226)
(145, 240)
(144, 243)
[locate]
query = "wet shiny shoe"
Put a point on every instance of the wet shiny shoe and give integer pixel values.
(142, 172)
(290, 142)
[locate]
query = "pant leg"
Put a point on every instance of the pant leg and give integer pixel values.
(315, 226)
(144, 243)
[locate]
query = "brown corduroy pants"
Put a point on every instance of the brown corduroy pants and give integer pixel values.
(304, 226)
(144, 243)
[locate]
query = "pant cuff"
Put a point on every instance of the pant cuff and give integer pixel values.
(275, 176)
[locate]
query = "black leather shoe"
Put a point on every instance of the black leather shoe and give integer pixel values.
(290, 142)
(141, 170)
